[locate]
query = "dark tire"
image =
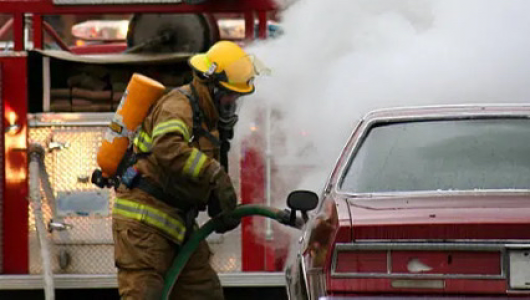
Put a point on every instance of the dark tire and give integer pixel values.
(188, 33)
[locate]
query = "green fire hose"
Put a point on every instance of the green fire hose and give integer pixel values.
(283, 216)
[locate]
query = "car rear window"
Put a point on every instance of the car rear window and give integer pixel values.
(471, 154)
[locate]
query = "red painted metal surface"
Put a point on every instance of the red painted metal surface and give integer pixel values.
(47, 7)
(449, 217)
(38, 38)
(384, 285)
(18, 31)
(443, 232)
(249, 25)
(362, 261)
(449, 262)
(262, 24)
(15, 210)
(252, 180)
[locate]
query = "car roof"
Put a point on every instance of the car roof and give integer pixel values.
(449, 111)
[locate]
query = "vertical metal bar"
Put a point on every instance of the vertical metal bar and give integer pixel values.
(18, 31)
(46, 84)
(15, 204)
(38, 42)
(268, 177)
(40, 226)
(249, 25)
(262, 24)
(252, 178)
(55, 36)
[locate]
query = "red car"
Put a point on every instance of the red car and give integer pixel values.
(423, 203)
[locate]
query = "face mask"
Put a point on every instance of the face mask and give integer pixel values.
(226, 103)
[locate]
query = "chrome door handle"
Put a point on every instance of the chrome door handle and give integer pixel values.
(57, 145)
(59, 226)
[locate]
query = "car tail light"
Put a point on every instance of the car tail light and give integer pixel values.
(362, 262)
(419, 262)
(446, 262)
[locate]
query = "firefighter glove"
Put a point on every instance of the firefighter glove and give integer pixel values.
(223, 193)
(224, 222)
(223, 200)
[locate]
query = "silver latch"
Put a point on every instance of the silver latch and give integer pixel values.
(83, 178)
(57, 146)
(59, 226)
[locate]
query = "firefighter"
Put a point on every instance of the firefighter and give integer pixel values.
(177, 172)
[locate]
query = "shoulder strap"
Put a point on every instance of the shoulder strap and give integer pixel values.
(198, 117)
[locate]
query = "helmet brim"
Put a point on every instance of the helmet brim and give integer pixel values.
(199, 62)
(241, 88)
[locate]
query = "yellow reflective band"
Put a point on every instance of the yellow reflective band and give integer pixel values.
(172, 126)
(143, 141)
(195, 163)
(151, 216)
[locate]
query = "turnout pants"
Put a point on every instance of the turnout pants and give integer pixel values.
(143, 256)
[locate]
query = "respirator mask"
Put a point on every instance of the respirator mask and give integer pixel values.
(226, 103)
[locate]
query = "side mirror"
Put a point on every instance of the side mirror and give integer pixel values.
(303, 201)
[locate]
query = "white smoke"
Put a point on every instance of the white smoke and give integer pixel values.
(340, 59)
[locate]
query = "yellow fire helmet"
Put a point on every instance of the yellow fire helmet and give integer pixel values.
(230, 66)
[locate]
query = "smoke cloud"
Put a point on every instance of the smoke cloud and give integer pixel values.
(339, 59)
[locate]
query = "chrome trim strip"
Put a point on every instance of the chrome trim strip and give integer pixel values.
(414, 276)
(507, 243)
(501, 248)
(69, 124)
(46, 83)
(389, 262)
(421, 246)
(69, 119)
(450, 106)
(418, 284)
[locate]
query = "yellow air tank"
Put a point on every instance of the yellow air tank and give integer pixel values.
(137, 99)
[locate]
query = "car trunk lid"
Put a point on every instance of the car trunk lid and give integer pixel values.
(441, 217)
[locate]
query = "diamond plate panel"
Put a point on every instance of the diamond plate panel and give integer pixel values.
(226, 249)
(88, 245)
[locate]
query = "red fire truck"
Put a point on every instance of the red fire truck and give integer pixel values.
(63, 101)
